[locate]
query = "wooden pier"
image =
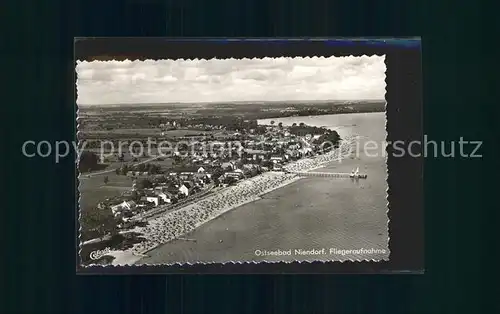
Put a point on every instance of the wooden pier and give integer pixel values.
(330, 174)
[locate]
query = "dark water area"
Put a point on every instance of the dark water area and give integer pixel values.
(313, 213)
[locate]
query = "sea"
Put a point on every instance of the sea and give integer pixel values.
(330, 218)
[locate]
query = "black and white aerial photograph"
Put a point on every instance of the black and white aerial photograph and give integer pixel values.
(232, 160)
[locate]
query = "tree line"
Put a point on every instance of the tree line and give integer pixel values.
(147, 167)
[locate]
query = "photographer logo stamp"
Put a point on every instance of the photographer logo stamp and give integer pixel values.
(95, 255)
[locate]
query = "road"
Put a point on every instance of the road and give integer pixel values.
(86, 176)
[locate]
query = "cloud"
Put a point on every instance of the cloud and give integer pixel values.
(267, 79)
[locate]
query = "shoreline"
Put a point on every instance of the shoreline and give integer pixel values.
(156, 231)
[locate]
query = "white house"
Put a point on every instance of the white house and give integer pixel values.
(184, 190)
(276, 159)
(153, 199)
(164, 197)
(201, 170)
(122, 206)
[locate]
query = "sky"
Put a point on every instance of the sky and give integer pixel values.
(226, 80)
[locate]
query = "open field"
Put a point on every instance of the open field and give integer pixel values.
(111, 159)
(93, 190)
(142, 120)
(128, 131)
